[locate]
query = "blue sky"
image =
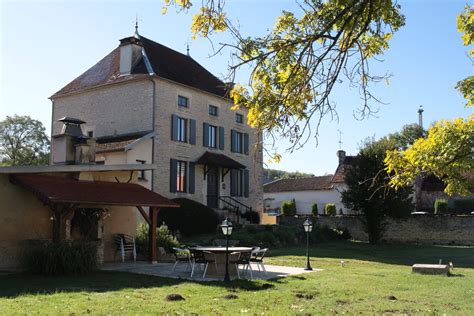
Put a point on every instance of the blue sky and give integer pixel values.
(46, 44)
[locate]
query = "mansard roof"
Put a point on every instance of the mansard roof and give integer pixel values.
(164, 61)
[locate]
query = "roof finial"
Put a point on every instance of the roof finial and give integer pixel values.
(187, 48)
(340, 139)
(136, 24)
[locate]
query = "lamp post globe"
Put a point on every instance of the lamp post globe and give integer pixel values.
(227, 231)
(308, 227)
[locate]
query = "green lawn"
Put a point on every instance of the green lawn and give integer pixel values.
(375, 279)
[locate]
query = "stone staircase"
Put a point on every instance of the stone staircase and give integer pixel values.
(232, 216)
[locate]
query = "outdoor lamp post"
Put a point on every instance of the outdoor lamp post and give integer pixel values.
(308, 227)
(227, 231)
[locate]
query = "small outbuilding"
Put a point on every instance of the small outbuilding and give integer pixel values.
(41, 202)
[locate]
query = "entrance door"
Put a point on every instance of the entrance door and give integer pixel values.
(212, 187)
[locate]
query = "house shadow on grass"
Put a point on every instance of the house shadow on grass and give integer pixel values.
(14, 285)
(399, 254)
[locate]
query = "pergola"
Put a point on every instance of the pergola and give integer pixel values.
(64, 195)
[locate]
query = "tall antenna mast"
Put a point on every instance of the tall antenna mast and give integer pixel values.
(420, 116)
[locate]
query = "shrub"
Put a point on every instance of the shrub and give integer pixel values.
(330, 209)
(314, 209)
(279, 235)
(190, 218)
(440, 206)
(164, 238)
(324, 233)
(62, 258)
(289, 208)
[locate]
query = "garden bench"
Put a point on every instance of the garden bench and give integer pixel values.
(431, 269)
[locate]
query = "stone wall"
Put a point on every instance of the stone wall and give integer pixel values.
(423, 229)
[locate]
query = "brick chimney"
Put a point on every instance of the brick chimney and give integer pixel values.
(341, 154)
(130, 54)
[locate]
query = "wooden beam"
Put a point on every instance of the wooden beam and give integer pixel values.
(224, 172)
(144, 214)
(152, 234)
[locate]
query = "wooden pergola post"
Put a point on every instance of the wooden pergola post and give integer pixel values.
(152, 234)
(61, 214)
(57, 223)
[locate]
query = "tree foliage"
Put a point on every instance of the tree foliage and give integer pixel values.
(466, 27)
(368, 191)
(445, 152)
(23, 141)
(297, 64)
(272, 174)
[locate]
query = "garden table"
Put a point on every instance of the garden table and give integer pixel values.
(219, 253)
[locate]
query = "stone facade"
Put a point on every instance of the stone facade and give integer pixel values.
(166, 149)
(422, 229)
(113, 109)
(128, 107)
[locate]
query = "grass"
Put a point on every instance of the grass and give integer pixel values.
(375, 279)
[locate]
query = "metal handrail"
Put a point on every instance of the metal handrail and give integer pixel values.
(224, 199)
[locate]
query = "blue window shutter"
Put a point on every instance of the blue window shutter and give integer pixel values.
(246, 183)
(233, 182)
(192, 132)
(221, 138)
(174, 127)
(246, 143)
(191, 178)
(232, 141)
(205, 141)
(173, 174)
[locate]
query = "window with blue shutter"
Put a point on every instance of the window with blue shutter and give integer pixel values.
(205, 136)
(237, 141)
(210, 135)
(173, 175)
(246, 144)
(221, 138)
(246, 183)
(192, 132)
(191, 178)
(174, 127)
(237, 182)
(179, 129)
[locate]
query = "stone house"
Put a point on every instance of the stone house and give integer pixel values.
(146, 103)
(307, 191)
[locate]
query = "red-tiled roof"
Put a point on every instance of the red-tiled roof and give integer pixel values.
(299, 184)
(341, 171)
(66, 190)
(164, 61)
